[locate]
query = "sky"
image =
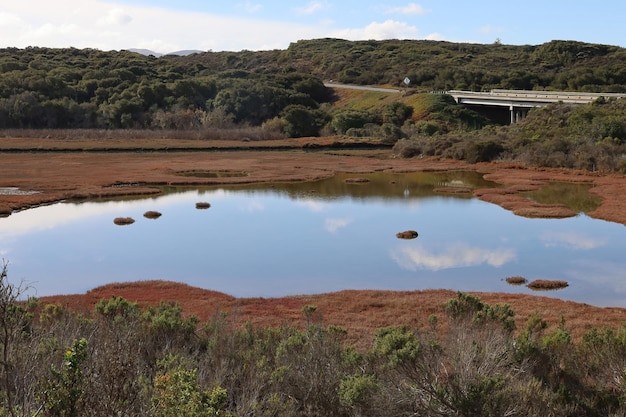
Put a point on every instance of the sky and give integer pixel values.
(173, 25)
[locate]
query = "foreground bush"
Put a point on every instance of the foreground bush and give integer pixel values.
(468, 361)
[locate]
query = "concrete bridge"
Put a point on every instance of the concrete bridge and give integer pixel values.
(520, 101)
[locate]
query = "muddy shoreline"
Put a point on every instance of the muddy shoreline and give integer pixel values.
(48, 170)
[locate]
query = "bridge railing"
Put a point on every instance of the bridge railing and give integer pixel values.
(550, 96)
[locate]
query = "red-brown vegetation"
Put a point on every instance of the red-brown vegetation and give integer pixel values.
(123, 221)
(547, 284)
(516, 280)
(152, 214)
(361, 312)
(407, 234)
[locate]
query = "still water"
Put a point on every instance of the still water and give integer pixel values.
(284, 239)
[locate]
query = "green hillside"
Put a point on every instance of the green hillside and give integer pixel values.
(281, 93)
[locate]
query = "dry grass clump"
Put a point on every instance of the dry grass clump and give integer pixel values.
(516, 280)
(202, 205)
(546, 284)
(123, 221)
(356, 180)
(407, 234)
(152, 214)
(453, 190)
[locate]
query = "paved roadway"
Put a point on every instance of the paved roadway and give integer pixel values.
(362, 87)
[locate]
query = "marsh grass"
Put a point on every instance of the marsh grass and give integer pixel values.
(407, 234)
(123, 221)
(152, 214)
(516, 280)
(546, 285)
(211, 174)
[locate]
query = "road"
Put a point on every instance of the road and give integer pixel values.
(362, 87)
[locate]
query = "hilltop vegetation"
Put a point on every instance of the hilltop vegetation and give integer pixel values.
(280, 93)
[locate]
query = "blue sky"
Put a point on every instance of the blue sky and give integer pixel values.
(172, 25)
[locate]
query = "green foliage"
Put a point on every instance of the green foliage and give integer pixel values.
(357, 390)
(396, 113)
(177, 393)
(117, 308)
(157, 362)
(300, 121)
(470, 307)
(63, 393)
(397, 345)
(15, 326)
(70, 88)
(483, 151)
(351, 119)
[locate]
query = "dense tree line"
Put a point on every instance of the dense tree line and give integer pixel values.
(436, 65)
(88, 88)
(72, 88)
(469, 360)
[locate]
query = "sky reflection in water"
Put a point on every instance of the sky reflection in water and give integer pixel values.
(282, 240)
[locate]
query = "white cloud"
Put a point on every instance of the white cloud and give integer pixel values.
(311, 8)
(79, 24)
(115, 17)
(9, 20)
(389, 29)
(332, 225)
(460, 255)
(107, 25)
(411, 8)
(435, 37)
(488, 30)
(571, 240)
(252, 7)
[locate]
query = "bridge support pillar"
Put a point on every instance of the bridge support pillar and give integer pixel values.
(517, 115)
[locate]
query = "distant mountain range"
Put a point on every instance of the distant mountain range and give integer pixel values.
(158, 54)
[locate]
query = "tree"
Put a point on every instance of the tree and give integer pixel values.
(397, 113)
(301, 121)
(14, 324)
(350, 119)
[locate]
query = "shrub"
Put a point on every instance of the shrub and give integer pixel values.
(152, 214)
(177, 393)
(483, 151)
(123, 221)
(545, 284)
(516, 280)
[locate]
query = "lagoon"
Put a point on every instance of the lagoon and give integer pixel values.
(271, 240)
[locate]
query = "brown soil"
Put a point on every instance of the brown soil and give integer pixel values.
(87, 168)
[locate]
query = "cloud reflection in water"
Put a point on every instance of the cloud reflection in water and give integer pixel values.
(571, 240)
(332, 225)
(455, 256)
